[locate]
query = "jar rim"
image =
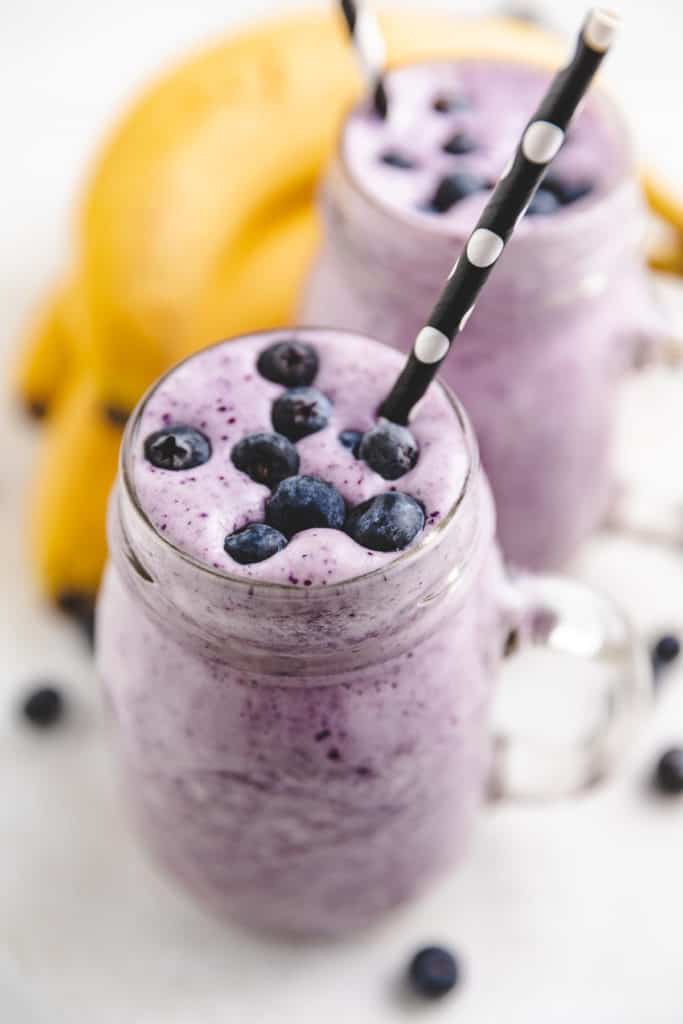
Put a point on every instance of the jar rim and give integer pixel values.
(126, 475)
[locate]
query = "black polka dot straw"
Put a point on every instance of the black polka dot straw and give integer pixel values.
(539, 144)
(368, 43)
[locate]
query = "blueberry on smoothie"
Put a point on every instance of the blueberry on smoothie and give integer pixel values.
(351, 439)
(449, 103)
(305, 503)
(389, 449)
(434, 972)
(543, 203)
(289, 362)
(266, 458)
(177, 448)
(455, 187)
(388, 522)
(254, 543)
(459, 144)
(392, 158)
(300, 412)
(567, 191)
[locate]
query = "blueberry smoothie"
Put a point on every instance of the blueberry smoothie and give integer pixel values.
(299, 630)
(565, 312)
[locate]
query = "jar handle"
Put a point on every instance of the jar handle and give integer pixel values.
(568, 617)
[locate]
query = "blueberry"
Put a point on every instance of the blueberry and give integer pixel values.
(254, 543)
(351, 439)
(43, 707)
(543, 203)
(266, 458)
(455, 187)
(305, 503)
(289, 362)
(388, 522)
(669, 772)
(664, 651)
(448, 104)
(434, 972)
(177, 448)
(399, 160)
(389, 449)
(459, 144)
(565, 191)
(300, 412)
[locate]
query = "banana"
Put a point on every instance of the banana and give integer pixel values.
(45, 364)
(198, 222)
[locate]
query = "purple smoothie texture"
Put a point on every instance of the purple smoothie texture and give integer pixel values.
(302, 759)
(221, 393)
(563, 315)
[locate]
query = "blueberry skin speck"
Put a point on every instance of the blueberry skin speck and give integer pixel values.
(351, 439)
(266, 458)
(543, 203)
(389, 449)
(455, 187)
(255, 543)
(43, 707)
(291, 363)
(305, 503)
(388, 522)
(433, 972)
(459, 144)
(177, 448)
(392, 158)
(300, 412)
(669, 772)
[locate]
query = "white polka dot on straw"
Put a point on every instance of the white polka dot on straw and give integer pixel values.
(540, 143)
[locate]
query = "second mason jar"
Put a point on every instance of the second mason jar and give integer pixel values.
(566, 311)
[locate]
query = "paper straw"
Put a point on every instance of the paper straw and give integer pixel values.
(540, 142)
(370, 49)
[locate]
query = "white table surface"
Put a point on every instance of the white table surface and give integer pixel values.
(562, 914)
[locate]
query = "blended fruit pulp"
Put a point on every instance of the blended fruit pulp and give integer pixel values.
(304, 721)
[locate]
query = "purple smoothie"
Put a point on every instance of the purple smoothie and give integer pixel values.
(562, 316)
(305, 737)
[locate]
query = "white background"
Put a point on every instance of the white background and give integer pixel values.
(563, 914)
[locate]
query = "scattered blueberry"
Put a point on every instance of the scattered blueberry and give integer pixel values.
(448, 104)
(351, 439)
(291, 363)
(566, 191)
(305, 503)
(543, 203)
(266, 458)
(177, 448)
(455, 187)
(43, 707)
(459, 144)
(254, 543)
(434, 972)
(669, 772)
(388, 522)
(389, 449)
(399, 160)
(664, 652)
(301, 411)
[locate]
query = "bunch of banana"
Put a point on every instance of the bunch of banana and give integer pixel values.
(198, 223)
